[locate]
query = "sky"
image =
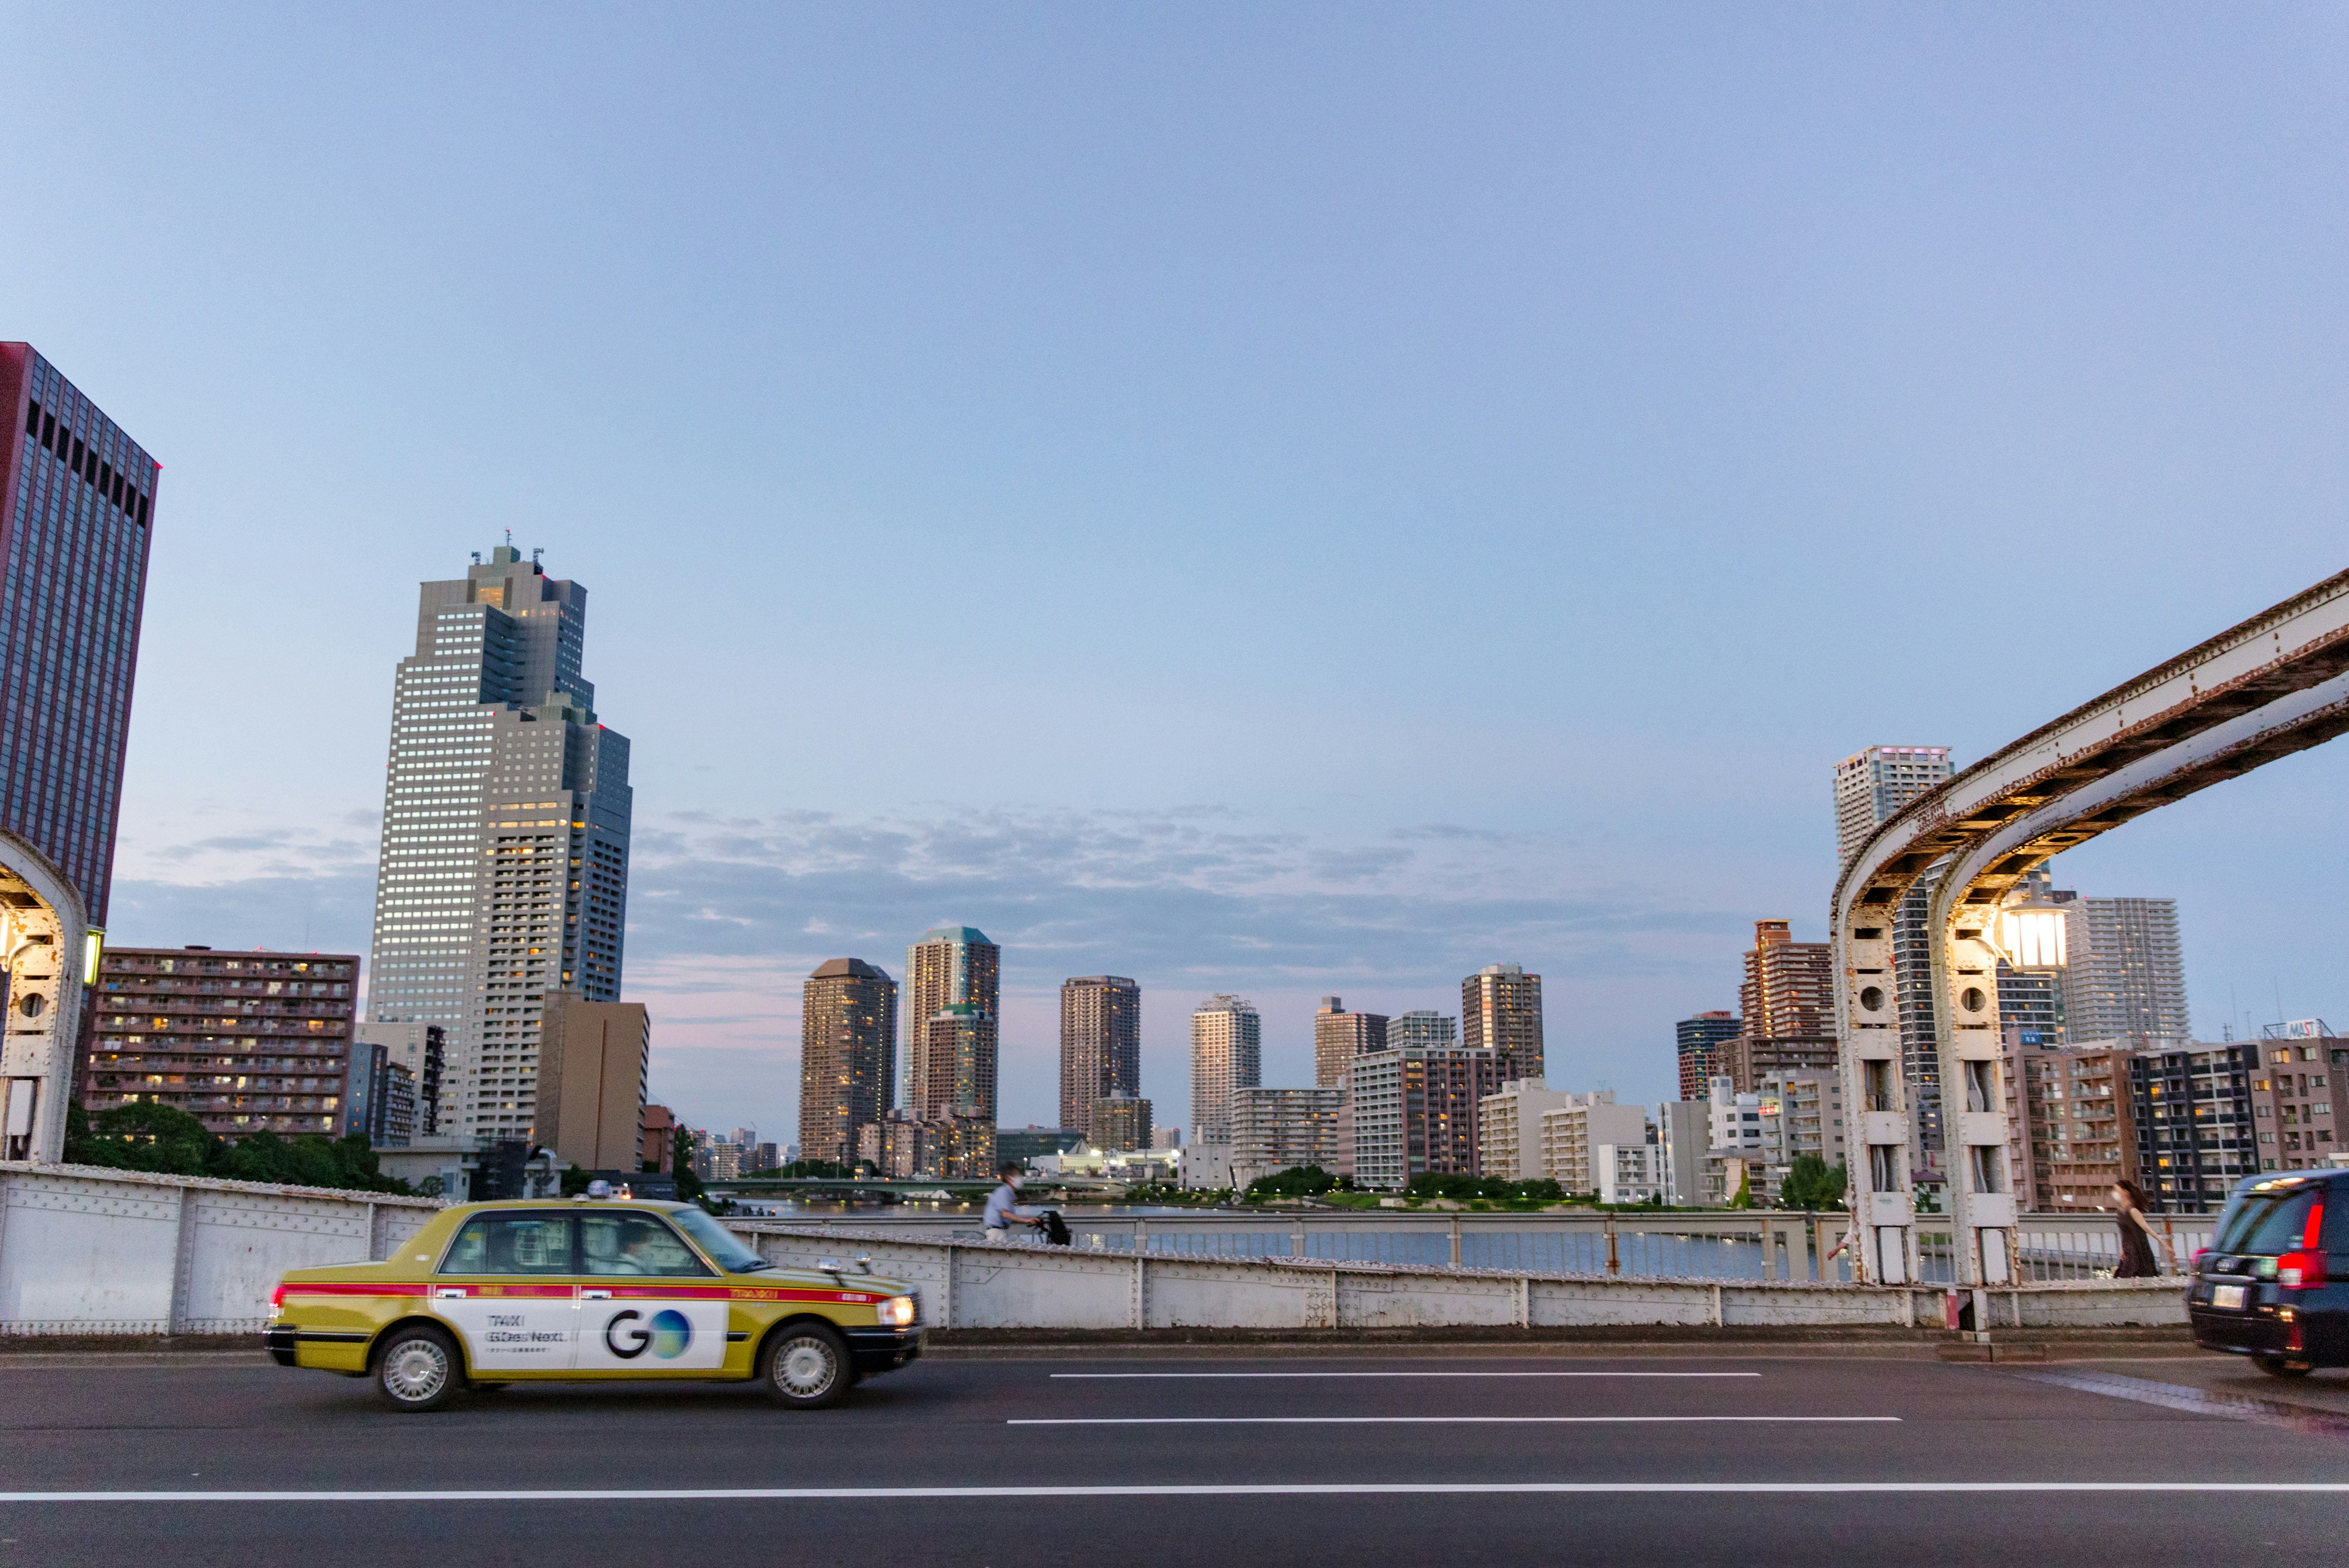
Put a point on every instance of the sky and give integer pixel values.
(1284, 500)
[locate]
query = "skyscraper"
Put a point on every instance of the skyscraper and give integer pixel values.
(1700, 1044)
(2124, 978)
(1788, 1000)
(504, 869)
(1501, 1011)
(959, 1042)
(1101, 1046)
(1870, 787)
(1226, 1053)
(76, 499)
(1339, 1037)
(950, 965)
(848, 1048)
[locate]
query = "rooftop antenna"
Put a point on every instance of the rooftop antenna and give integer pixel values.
(509, 538)
(477, 557)
(536, 550)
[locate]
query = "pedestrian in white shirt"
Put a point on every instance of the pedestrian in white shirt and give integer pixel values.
(1002, 1205)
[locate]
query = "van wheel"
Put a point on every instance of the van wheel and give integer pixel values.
(2277, 1366)
(805, 1366)
(419, 1369)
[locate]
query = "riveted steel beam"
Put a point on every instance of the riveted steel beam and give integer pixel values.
(2273, 685)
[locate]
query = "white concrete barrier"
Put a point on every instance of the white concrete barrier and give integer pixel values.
(84, 1250)
(1025, 1286)
(89, 1251)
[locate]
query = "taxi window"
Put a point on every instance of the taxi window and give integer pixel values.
(620, 1243)
(511, 1244)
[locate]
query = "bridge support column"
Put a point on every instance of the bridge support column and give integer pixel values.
(1973, 1095)
(42, 956)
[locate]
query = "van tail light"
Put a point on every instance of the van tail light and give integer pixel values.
(2305, 1268)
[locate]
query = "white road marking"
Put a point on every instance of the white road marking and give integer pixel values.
(1118, 1375)
(1409, 1420)
(1335, 1488)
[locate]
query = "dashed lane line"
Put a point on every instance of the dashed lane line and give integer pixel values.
(1429, 1420)
(1333, 1489)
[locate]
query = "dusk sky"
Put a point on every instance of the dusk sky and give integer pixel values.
(1282, 500)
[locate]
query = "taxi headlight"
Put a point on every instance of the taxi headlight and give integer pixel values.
(897, 1310)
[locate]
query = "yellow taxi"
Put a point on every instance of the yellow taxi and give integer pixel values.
(491, 1294)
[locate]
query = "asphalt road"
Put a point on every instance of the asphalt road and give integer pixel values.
(1458, 1460)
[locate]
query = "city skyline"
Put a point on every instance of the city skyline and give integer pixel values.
(1807, 382)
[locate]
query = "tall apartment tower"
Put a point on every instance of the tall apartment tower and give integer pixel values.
(1870, 786)
(503, 874)
(76, 499)
(2125, 975)
(1501, 1011)
(960, 1043)
(1101, 1046)
(848, 1050)
(1226, 1053)
(1339, 1037)
(950, 966)
(1788, 1000)
(1700, 1045)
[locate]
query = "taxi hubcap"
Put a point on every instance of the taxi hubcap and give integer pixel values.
(804, 1367)
(415, 1370)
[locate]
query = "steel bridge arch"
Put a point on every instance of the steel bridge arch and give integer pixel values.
(2276, 684)
(43, 937)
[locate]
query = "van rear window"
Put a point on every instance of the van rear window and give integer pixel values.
(2269, 1224)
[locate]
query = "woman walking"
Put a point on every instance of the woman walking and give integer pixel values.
(2136, 1234)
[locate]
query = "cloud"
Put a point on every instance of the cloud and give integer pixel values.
(727, 914)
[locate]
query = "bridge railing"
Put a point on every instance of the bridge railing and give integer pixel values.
(1774, 1244)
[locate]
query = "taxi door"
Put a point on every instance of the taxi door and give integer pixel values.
(648, 1303)
(506, 1286)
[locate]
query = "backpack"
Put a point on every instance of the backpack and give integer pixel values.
(1056, 1229)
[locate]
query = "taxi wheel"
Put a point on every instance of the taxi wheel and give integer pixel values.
(805, 1365)
(419, 1369)
(2277, 1366)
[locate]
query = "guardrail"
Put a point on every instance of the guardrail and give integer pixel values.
(1025, 1286)
(1729, 1244)
(84, 1250)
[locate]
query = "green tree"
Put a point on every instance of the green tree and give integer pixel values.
(1297, 1182)
(1809, 1184)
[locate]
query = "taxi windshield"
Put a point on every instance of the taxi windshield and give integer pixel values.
(725, 1248)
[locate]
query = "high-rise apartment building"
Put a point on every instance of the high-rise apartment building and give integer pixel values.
(503, 875)
(2196, 1133)
(1421, 1030)
(951, 965)
(1339, 1037)
(379, 1099)
(1101, 1046)
(77, 500)
(1701, 1045)
(848, 1046)
(1788, 1001)
(1413, 1111)
(1501, 1011)
(2070, 1125)
(960, 1045)
(1280, 1130)
(245, 1042)
(1871, 786)
(2125, 973)
(1226, 1053)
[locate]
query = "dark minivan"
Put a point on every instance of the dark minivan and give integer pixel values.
(2274, 1284)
